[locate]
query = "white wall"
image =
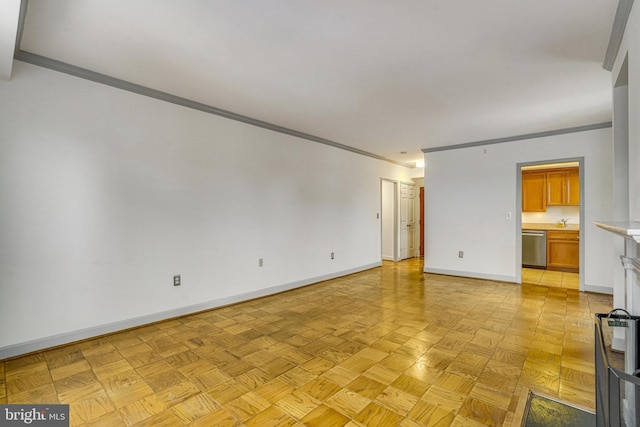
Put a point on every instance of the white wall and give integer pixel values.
(105, 195)
(469, 190)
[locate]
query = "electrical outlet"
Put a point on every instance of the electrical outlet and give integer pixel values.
(176, 280)
(260, 262)
(507, 215)
(332, 255)
(460, 254)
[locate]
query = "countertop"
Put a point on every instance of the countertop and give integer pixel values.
(550, 226)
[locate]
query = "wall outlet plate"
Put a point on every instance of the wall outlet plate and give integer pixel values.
(176, 280)
(460, 254)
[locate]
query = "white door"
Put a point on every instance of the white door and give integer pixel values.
(407, 221)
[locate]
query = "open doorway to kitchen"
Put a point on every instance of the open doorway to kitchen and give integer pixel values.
(550, 226)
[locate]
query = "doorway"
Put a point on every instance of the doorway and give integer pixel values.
(407, 221)
(552, 205)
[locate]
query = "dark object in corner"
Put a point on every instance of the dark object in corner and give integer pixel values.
(544, 412)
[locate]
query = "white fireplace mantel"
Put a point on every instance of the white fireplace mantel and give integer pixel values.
(628, 230)
(631, 264)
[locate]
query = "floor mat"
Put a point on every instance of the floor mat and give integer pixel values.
(544, 412)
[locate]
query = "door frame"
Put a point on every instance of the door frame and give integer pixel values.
(518, 221)
(421, 219)
(395, 226)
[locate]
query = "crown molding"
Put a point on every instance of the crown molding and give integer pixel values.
(617, 32)
(520, 137)
(59, 66)
(52, 64)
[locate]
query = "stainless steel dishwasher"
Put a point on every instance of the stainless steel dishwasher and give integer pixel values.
(534, 248)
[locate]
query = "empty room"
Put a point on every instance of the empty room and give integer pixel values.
(292, 213)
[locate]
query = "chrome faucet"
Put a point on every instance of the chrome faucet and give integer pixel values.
(564, 222)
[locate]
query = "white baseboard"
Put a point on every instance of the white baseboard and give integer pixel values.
(618, 344)
(598, 289)
(473, 275)
(82, 334)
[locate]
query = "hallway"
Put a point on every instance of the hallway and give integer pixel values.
(388, 346)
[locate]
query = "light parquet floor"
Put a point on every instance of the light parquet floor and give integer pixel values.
(556, 279)
(388, 346)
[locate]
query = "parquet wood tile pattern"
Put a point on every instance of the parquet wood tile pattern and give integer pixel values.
(388, 346)
(558, 279)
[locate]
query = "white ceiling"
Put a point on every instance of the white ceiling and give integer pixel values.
(378, 75)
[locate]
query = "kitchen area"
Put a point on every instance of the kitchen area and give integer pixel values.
(551, 224)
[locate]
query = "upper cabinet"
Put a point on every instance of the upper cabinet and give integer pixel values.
(563, 187)
(534, 191)
(556, 188)
(550, 187)
(573, 187)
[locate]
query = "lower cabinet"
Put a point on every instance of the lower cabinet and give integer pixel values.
(563, 250)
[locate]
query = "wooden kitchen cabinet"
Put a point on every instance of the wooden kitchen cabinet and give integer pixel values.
(550, 187)
(534, 191)
(563, 250)
(556, 188)
(563, 187)
(573, 187)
